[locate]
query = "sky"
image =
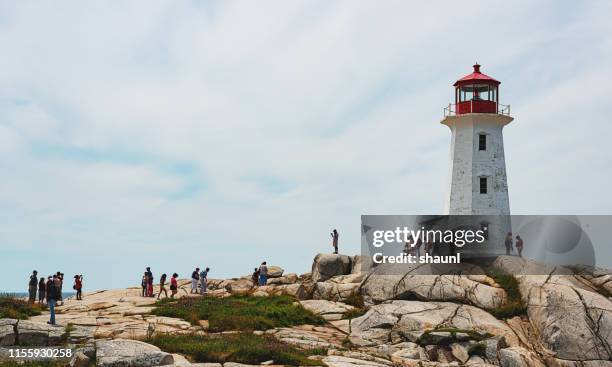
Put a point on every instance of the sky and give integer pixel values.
(180, 134)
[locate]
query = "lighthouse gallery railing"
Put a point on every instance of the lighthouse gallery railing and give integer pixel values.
(451, 109)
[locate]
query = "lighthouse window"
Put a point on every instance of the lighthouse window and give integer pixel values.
(482, 142)
(483, 185)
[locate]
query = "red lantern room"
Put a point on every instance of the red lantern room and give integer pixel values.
(477, 93)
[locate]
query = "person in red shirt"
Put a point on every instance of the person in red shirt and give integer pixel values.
(78, 286)
(173, 285)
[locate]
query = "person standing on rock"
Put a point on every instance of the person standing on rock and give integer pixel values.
(78, 286)
(263, 273)
(59, 283)
(508, 243)
(195, 277)
(149, 282)
(255, 277)
(143, 283)
(162, 286)
(173, 285)
(519, 245)
(42, 288)
(32, 287)
(203, 280)
(52, 297)
(335, 236)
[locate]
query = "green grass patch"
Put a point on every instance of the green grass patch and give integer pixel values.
(238, 312)
(246, 348)
(514, 305)
(14, 308)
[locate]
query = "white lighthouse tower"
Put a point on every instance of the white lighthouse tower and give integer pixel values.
(478, 184)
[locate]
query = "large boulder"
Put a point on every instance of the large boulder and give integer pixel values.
(329, 310)
(518, 357)
(340, 361)
(334, 291)
(400, 321)
(326, 266)
(275, 271)
(130, 353)
(571, 319)
(290, 278)
(39, 334)
(7, 332)
(477, 290)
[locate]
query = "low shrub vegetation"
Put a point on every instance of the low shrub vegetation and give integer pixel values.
(478, 349)
(242, 313)
(514, 305)
(14, 308)
(246, 348)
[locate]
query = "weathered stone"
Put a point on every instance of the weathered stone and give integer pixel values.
(492, 347)
(80, 360)
(39, 334)
(334, 291)
(570, 318)
(339, 361)
(329, 310)
(398, 319)
(518, 357)
(7, 332)
(410, 351)
(326, 266)
(383, 287)
(459, 352)
(275, 271)
(132, 353)
(286, 279)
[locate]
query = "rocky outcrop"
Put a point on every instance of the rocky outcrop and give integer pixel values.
(400, 321)
(8, 332)
(573, 321)
(25, 332)
(130, 353)
(477, 290)
(331, 311)
(326, 266)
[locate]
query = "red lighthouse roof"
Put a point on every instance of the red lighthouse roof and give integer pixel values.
(476, 77)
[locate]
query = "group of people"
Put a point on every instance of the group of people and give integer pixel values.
(50, 290)
(260, 275)
(518, 244)
(199, 281)
(147, 284)
(42, 286)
